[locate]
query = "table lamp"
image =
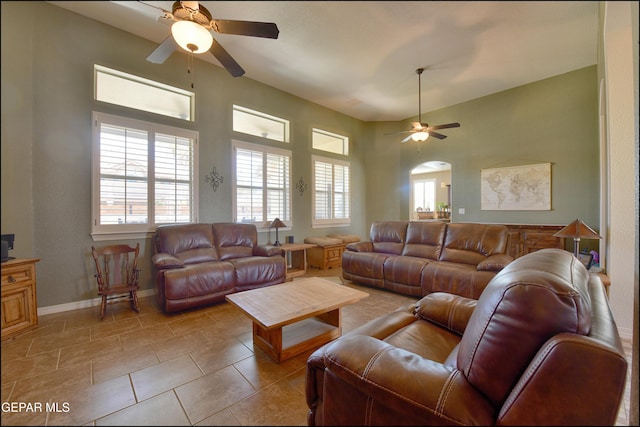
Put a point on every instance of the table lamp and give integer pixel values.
(276, 223)
(577, 230)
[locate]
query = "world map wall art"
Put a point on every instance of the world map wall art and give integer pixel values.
(516, 188)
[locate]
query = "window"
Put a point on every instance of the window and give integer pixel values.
(262, 189)
(260, 124)
(136, 92)
(331, 192)
(424, 194)
(331, 142)
(143, 175)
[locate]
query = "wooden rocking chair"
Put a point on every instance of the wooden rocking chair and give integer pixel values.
(117, 275)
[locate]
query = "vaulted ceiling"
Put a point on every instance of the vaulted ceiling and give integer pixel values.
(360, 57)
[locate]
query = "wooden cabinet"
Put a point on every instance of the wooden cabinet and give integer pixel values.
(325, 257)
(524, 239)
(19, 304)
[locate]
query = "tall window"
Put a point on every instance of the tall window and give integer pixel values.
(262, 189)
(331, 192)
(143, 175)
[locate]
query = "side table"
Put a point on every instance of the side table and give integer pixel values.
(298, 254)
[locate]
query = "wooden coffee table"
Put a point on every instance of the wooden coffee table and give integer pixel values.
(293, 317)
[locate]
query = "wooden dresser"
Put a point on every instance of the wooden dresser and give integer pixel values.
(524, 238)
(19, 302)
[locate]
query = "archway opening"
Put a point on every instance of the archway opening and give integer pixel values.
(430, 195)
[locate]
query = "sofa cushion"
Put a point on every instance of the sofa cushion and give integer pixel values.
(323, 241)
(190, 243)
(235, 240)
(471, 244)
(198, 279)
(424, 239)
(389, 236)
(252, 272)
(345, 238)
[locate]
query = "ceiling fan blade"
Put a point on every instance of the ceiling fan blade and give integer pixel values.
(437, 135)
(403, 131)
(246, 28)
(163, 51)
(225, 59)
(447, 126)
(406, 139)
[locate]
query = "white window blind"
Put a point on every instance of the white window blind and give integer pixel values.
(144, 175)
(331, 188)
(262, 184)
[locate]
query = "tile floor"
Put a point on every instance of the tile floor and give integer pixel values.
(192, 368)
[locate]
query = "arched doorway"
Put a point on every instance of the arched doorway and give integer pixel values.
(430, 190)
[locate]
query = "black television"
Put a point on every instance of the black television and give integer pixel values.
(7, 244)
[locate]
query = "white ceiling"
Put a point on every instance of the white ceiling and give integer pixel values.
(360, 57)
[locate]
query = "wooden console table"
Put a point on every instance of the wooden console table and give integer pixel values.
(524, 238)
(19, 300)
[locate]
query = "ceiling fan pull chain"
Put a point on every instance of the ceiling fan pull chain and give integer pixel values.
(190, 66)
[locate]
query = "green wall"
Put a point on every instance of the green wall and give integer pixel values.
(47, 100)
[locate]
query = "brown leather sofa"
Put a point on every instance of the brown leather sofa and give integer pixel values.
(417, 258)
(198, 264)
(539, 347)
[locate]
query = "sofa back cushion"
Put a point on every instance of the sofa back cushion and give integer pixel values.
(424, 239)
(388, 236)
(235, 240)
(191, 243)
(534, 298)
(468, 243)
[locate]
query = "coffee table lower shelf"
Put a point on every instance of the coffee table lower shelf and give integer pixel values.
(288, 341)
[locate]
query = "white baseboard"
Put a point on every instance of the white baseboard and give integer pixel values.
(83, 304)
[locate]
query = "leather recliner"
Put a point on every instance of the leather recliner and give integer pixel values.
(539, 347)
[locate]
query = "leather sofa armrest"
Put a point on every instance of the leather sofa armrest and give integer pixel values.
(387, 383)
(165, 261)
(268, 250)
(360, 247)
(495, 262)
(447, 310)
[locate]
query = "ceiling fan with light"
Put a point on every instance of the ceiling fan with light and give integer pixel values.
(421, 131)
(191, 27)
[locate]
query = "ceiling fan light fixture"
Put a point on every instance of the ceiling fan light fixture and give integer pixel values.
(420, 136)
(192, 36)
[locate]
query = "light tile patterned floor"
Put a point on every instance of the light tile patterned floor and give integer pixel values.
(192, 368)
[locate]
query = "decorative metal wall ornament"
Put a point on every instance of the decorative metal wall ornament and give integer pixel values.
(214, 179)
(301, 186)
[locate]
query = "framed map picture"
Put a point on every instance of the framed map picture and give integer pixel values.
(516, 188)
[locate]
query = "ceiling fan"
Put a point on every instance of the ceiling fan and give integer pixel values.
(191, 26)
(421, 131)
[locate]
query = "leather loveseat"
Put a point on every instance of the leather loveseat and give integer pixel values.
(539, 347)
(198, 264)
(417, 258)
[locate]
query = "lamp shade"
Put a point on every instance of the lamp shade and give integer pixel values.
(191, 36)
(577, 230)
(276, 223)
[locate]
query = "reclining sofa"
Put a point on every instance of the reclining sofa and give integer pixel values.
(417, 258)
(198, 264)
(539, 347)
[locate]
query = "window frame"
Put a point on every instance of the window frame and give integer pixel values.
(264, 150)
(103, 232)
(284, 123)
(331, 222)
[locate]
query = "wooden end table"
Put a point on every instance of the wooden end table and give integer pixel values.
(297, 316)
(298, 253)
